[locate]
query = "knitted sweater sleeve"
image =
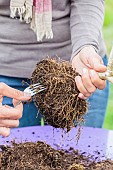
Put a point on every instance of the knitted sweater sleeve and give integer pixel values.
(86, 21)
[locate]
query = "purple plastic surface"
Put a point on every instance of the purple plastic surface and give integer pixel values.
(93, 141)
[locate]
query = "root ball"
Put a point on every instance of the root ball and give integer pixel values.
(59, 102)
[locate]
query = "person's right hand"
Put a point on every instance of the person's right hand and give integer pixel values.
(9, 116)
(88, 63)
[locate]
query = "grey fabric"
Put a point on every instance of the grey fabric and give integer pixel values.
(75, 23)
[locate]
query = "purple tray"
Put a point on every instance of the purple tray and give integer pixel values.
(93, 141)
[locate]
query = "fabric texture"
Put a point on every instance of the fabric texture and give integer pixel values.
(75, 23)
(36, 12)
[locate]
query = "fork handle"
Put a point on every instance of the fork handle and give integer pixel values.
(23, 102)
(18, 103)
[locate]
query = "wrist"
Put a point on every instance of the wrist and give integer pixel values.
(86, 48)
(89, 47)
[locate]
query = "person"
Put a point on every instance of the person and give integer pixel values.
(10, 116)
(70, 29)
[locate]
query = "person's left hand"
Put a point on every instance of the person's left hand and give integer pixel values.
(87, 63)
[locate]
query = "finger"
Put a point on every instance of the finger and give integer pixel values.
(78, 64)
(7, 112)
(9, 123)
(100, 84)
(82, 96)
(5, 90)
(18, 105)
(4, 131)
(97, 64)
(81, 87)
(17, 102)
(87, 53)
(87, 81)
(1, 99)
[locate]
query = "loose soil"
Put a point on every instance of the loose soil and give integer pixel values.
(41, 156)
(59, 102)
(61, 108)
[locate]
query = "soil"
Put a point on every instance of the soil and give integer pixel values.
(59, 102)
(41, 156)
(61, 108)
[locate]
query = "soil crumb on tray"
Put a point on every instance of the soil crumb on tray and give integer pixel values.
(41, 156)
(59, 102)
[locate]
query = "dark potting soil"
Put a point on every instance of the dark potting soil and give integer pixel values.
(41, 156)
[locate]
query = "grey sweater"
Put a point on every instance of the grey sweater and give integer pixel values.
(76, 23)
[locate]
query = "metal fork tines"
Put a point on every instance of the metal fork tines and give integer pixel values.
(34, 89)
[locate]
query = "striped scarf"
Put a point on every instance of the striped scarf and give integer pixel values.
(37, 13)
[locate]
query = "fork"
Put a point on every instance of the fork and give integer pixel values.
(33, 89)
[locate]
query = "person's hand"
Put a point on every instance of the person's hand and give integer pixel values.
(9, 116)
(87, 63)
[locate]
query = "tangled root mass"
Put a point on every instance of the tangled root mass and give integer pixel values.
(59, 102)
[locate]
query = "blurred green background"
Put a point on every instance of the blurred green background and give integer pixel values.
(108, 36)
